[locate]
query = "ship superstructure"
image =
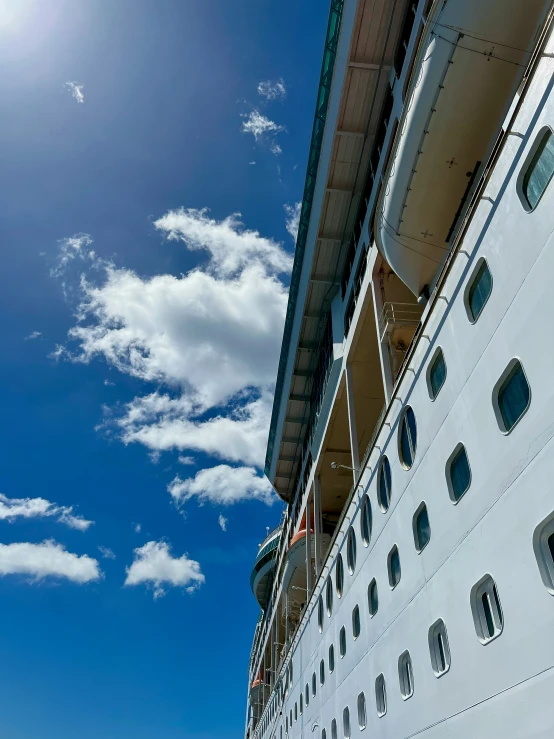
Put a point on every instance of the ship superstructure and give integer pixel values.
(409, 589)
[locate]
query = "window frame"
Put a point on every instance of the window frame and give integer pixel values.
(415, 530)
(339, 575)
(435, 630)
(329, 596)
(342, 642)
(436, 356)
(406, 675)
(362, 711)
(504, 377)
(413, 448)
(539, 137)
(356, 620)
(384, 462)
(543, 554)
(331, 658)
(451, 492)
(314, 685)
(351, 550)
(471, 281)
(373, 582)
(390, 555)
(366, 514)
(346, 728)
(322, 672)
(486, 586)
(381, 695)
(334, 732)
(320, 614)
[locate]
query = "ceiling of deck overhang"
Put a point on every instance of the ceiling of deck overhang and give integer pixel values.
(376, 29)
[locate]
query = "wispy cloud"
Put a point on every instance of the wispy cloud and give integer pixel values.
(12, 508)
(185, 459)
(292, 213)
(106, 552)
(272, 90)
(222, 522)
(223, 485)
(76, 90)
(259, 125)
(275, 149)
(137, 528)
(33, 335)
(155, 567)
(49, 559)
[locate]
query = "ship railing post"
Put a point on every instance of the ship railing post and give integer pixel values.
(318, 525)
(309, 584)
(352, 421)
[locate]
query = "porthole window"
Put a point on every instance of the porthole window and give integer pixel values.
(381, 695)
(322, 672)
(351, 551)
(346, 722)
(356, 625)
(543, 544)
(458, 473)
(366, 522)
(331, 659)
(323, 734)
(295, 711)
(314, 686)
(384, 484)
(342, 642)
(421, 528)
(436, 374)
(539, 170)
(393, 562)
(287, 724)
(478, 290)
(290, 722)
(301, 703)
(407, 438)
(290, 672)
(339, 576)
(511, 396)
(362, 712)
(334, 729)
(329, 596)
(438, 648)
(307, 695)
(320, 613)
(486, 609)
(405, 675)
(372, 598)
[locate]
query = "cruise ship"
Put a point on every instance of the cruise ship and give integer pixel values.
(409, 589)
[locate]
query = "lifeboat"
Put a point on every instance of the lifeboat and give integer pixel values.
(261, 578)
(471, 59)
(295, 575)
(259, 692)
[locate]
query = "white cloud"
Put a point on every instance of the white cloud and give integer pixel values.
(12, 508)
(292, 213)
(73, 247)
(108, 383)
(161, 424)
(33, 335)
(272, 90)
(259, 125)
(154, 566)
(48, 559)
(186, 459)
(274, 148)
(222, 522)
(223, 485)
(106, 552)
(76, 90)
(137, 527)
(251, 162)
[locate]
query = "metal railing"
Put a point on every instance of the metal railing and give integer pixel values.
(396, 315)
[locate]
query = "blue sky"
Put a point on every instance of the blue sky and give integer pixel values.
(142, 321)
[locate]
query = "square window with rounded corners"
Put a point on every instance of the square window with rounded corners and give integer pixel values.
(458, 473)
(393, 566)
(366, 520)
(421, 528)
(384, 484)
(407, 438)
(381, 695)
(346, 722)
(543, 545)
(362, 712)
(436, 373)
(537, 171)
(511, 396)
(372, 598)
(478, 290)
(356, 624)
(405, 675)
(439, 648)
(342, 642)
(486, 610)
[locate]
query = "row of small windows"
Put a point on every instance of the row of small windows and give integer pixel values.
(488, 622)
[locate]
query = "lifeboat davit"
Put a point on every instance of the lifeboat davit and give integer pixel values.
(471, 59)
(295, 575)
